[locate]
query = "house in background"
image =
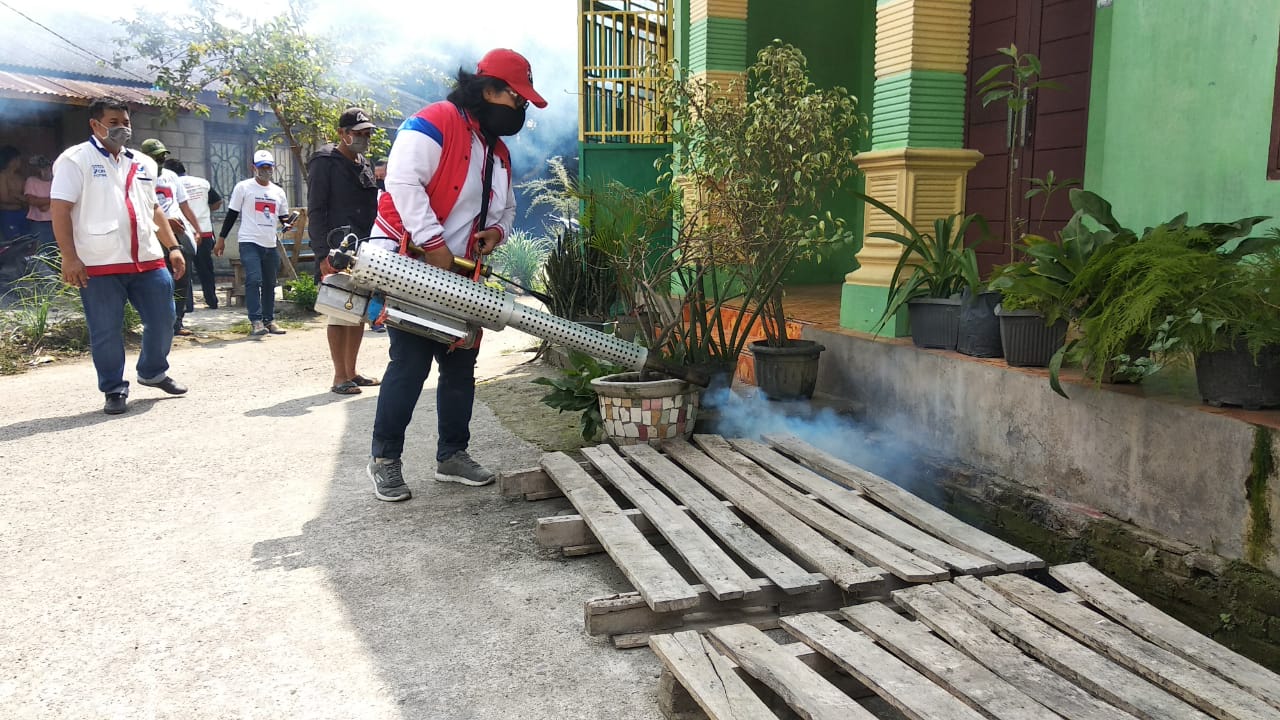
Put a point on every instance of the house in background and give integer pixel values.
(54, 63)
(1161, 106)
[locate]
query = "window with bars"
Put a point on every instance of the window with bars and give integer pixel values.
(617, 40)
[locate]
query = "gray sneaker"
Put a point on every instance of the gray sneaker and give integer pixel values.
(388, 481)
(460, 468)
(258, 329)
(275, 329)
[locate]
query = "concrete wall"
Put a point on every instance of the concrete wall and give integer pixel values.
(1177, 470)
(1180, 110)
(183, 136)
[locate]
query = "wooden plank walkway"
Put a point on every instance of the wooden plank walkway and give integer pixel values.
(1003, 647)
(732, 531)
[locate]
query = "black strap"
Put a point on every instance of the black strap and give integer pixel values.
(486, 187)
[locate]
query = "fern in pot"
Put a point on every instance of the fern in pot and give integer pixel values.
(1208, 291)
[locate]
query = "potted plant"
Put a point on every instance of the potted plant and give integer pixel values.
(941, 267)
(753, 165)
(577, 278)
(1044, 292)
(1209, 291)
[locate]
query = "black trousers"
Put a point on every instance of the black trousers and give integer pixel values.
(204, 270)
(182, 285)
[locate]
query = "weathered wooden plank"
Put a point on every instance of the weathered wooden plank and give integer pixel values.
(1181, 677)
(1067, 657)
(628, 612)
(793, 534)
(1151, 623)
(650, 573)
(849, 503)
(723, 522)
(530, 483)
(561, 531)
(896, 683)
(963, 676)
(957, 627)
(907, 505)
(864, 544)
(811, 695)
(709, 563)
(703, 671)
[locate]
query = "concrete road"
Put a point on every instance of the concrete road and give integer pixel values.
(220, 555)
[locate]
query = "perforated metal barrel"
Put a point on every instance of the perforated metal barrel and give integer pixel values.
(450, 293)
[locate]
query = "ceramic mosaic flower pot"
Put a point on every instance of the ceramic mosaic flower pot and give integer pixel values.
(637, 411)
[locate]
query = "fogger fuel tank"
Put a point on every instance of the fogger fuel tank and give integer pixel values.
(425, 300)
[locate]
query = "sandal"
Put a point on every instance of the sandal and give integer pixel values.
(363, 381)
(346, 388)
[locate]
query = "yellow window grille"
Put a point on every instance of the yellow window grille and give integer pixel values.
(616, 41)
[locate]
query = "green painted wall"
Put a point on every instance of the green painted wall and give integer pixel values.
(1181, 108)
(628, 163)
(838, 38)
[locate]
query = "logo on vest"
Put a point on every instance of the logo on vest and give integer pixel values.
(99, 170)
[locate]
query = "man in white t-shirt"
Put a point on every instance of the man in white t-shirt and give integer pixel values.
(203, 200)
(258, 203)
(173, 200)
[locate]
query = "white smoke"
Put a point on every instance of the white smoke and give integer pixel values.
(878, 447)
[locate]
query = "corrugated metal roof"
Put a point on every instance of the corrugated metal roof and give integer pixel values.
(82, 43)
(28, 86)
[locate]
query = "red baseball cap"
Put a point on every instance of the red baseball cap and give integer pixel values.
(511, 68)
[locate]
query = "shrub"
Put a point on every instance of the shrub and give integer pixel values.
(521, 258)
(302, 292)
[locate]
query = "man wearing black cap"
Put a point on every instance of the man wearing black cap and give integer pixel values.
(342, 192)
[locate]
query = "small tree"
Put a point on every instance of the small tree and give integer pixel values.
(1013, 82)
(755, 164)
(250, 65)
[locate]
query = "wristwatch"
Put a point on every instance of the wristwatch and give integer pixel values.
(171, 249)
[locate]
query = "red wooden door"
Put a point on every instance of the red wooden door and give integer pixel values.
(1060, 33)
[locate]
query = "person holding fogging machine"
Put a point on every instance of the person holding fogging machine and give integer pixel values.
(448, 194)
(342, 195)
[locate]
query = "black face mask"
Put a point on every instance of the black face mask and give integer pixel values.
(500, 119)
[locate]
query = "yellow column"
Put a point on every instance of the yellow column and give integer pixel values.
(917, 164)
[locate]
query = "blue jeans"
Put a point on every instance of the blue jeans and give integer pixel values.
(411, 357)
(151, 294)
(44, 231)
(260, 265)
(13, 223)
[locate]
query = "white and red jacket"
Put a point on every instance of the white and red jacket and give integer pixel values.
(113, 207)
(435, 179)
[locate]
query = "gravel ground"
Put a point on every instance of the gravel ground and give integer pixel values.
(220, 555)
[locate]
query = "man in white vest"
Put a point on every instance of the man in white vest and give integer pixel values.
(114, 239)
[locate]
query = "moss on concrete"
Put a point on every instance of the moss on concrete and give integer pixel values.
(1239, 607)
(1257, 538)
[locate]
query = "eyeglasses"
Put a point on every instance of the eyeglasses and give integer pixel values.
(520, 101)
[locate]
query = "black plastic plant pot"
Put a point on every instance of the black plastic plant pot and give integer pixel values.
(935, 322)
(1233, 377)
(789, 372)
(1027, 341)
(979, 327)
